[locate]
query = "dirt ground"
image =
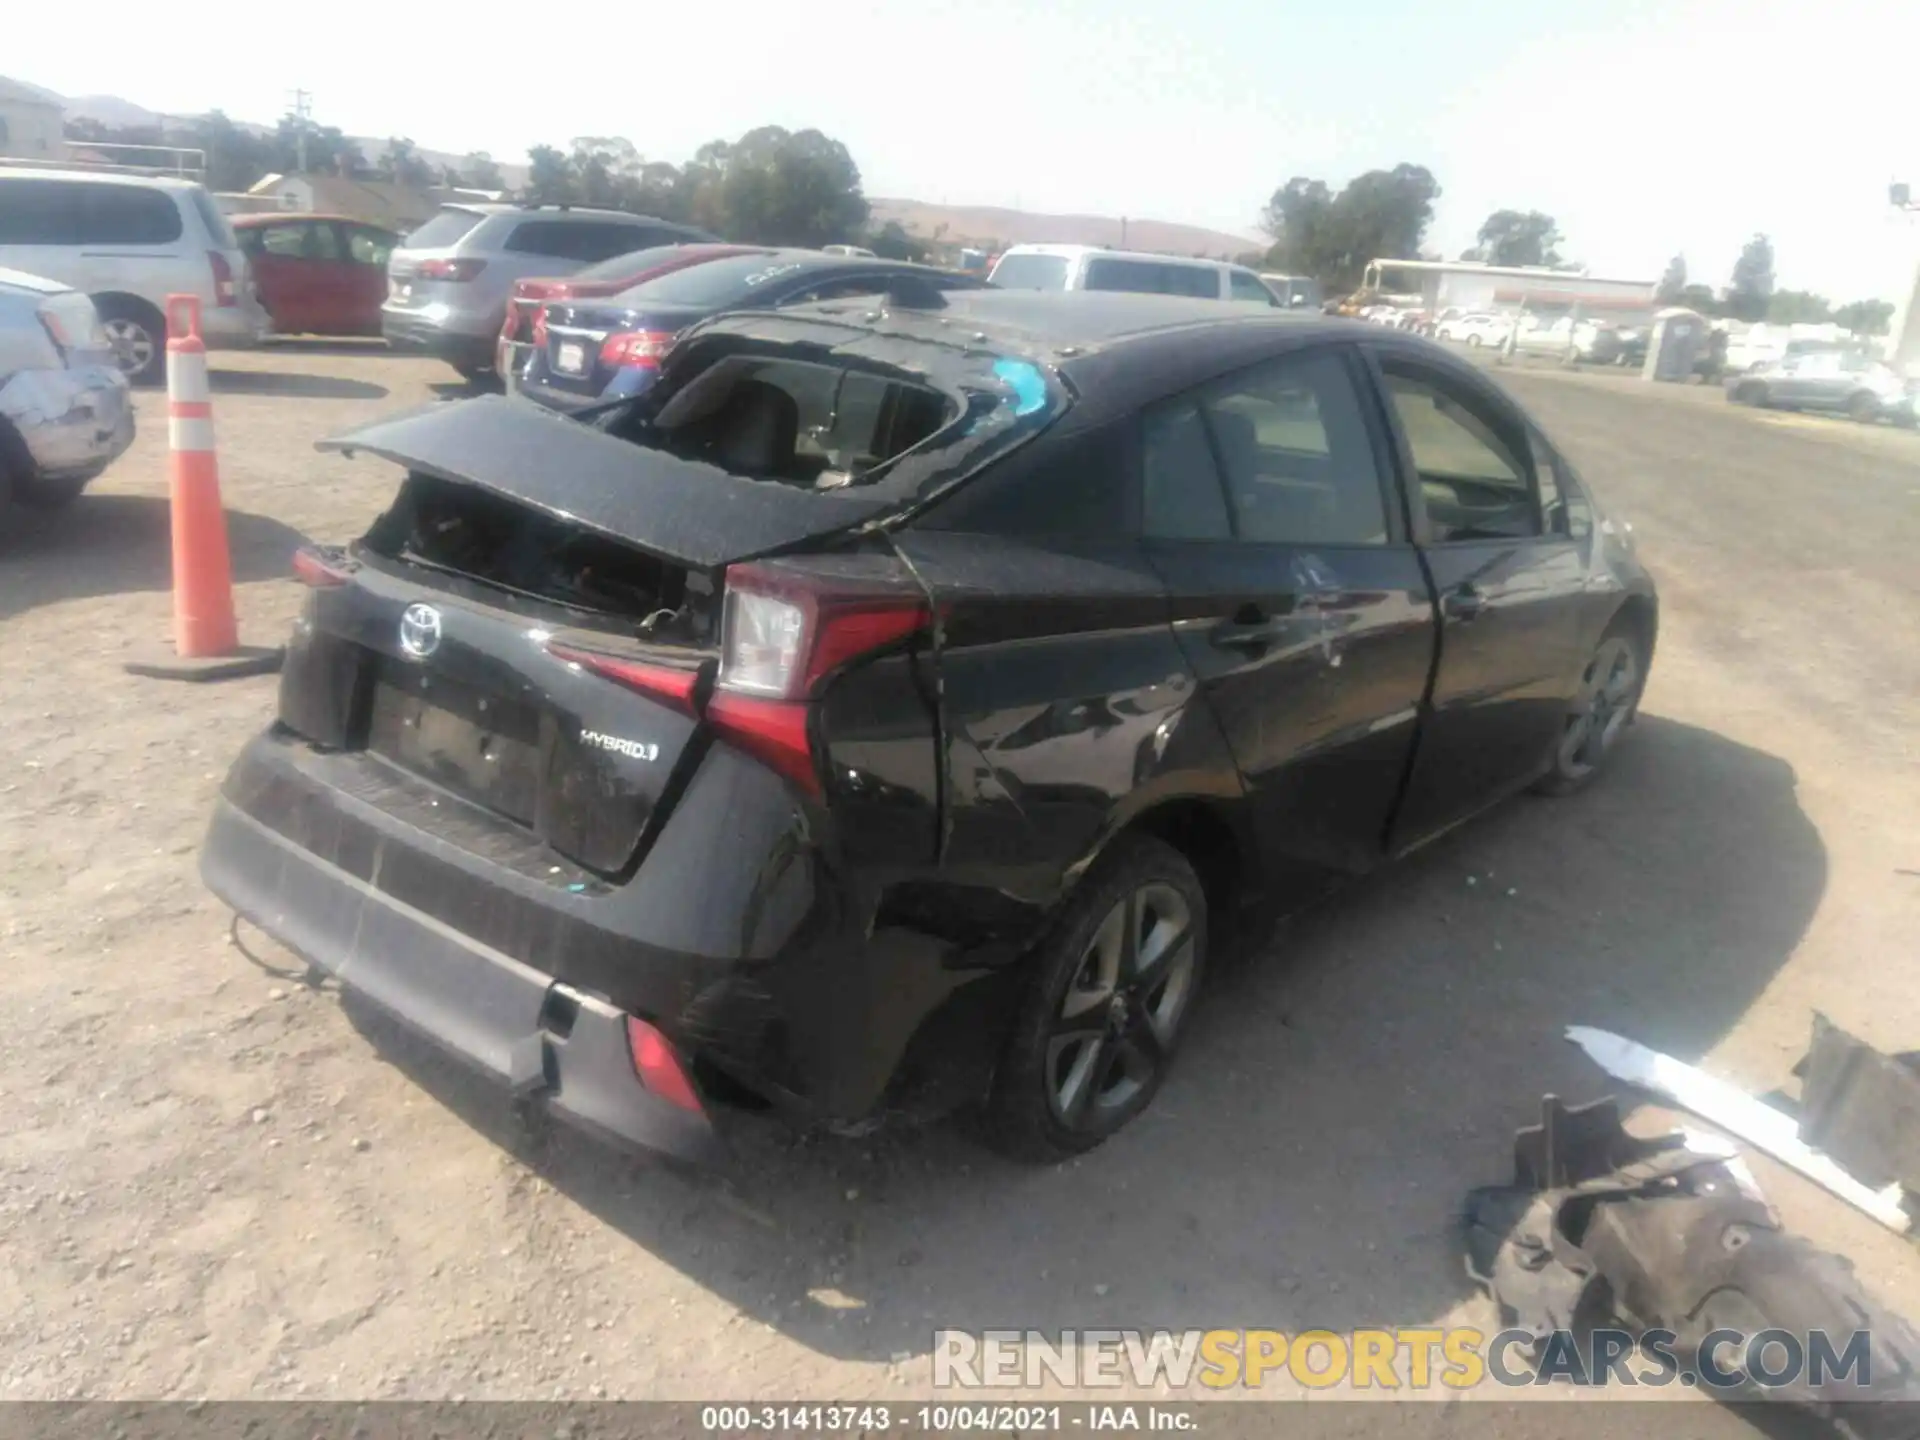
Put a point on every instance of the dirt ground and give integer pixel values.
(218, 1182)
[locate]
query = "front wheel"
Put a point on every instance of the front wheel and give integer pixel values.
(1473, 342)
(1604, 706)
(1109, 997)
(1864, 407)
(1750, 392)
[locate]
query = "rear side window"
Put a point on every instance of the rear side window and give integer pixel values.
(449, 227)
(1153, 277)
(580, 240)
(1288, 444)
(1031, 272)
(56, 212)
(218, 230)
(1180, 497)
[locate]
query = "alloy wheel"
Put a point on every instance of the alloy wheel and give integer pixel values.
(133, 344)
(1122, 1008)
(1603, 707)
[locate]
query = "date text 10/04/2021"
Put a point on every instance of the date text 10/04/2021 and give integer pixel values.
(943, 1419)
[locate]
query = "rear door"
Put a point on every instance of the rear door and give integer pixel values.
(1296, 596)
(1510, 592)
(367, 251)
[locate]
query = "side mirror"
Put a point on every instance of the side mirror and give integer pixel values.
(1298, 302)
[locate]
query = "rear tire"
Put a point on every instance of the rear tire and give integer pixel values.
(1751, 392)
(1606, 704)
(1473, 342)
(1111, 989)
(139, 336)
(44, 494)
(1864, 407)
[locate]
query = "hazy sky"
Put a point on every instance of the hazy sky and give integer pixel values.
(1644, 128)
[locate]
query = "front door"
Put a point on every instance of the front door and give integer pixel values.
(1297, 601)
(1510, 594)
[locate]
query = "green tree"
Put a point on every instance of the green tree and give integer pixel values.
(1513, 237)
(480, 172)
(893, 241)
(780, 187)
(1797, 307)
(402, 164)
(1865, 317)
(1673, 282)
(327, 150)
(1379, 215)
(549, 177)
(1752, 284)
(1698, 297)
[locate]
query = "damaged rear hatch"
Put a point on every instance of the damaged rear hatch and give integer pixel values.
(534, 624)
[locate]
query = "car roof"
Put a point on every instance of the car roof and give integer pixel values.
(256, 218)
(1073, 252)
(96, 177)
(554, 212)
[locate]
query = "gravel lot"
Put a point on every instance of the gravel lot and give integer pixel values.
(218, 1182)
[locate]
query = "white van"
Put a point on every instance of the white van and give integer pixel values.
(1088, 267)
(129, 241)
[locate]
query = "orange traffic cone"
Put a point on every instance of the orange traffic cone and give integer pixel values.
(206, 638)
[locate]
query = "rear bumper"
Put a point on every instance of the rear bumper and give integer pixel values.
(418, 332)
(73, 422)
(539, 1039)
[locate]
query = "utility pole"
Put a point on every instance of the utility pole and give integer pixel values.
(1123, 232)
(302, 114)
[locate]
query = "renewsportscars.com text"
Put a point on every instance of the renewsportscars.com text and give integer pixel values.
(1405, 1358)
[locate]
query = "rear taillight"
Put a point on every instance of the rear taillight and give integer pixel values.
(636, 349)
(667, 683)
(658, 1067)
(57, 333)
(783, 634)
(321, 568)
(464, 268)
(540, 327)
(224, 290)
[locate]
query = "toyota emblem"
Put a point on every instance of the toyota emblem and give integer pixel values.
(420, 631)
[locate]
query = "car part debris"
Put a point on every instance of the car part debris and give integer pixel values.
(1603, 1229)
(1740, 1115)
(1861, 1107)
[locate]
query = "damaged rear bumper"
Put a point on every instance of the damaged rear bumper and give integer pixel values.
(536, 1037)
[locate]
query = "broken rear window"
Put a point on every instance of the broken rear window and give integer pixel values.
(799, 421)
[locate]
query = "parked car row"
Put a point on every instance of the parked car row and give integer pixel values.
(1831, 379)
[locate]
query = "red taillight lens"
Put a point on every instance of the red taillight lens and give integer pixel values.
(540, 327)
(321, 569)
(783, 633)
(464, 268)
(224, 290)
(636, 349)
(658, 1067)
(666, 683)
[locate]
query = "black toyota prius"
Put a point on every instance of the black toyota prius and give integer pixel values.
(885, 709)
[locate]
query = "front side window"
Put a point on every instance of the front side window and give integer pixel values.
(1243, 286)
(1475, 470)
(1563, 504)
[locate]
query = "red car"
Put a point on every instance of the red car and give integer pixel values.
(609, 277)
(317, 274)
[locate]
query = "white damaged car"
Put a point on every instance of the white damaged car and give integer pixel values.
(65, 410)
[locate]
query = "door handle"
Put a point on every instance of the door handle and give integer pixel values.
(1245, 633)
(1464, 603)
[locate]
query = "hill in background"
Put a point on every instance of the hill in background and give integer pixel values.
(982, 223)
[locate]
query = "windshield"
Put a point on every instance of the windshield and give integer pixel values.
(1031, 272)
(631, 263)
(718, 282)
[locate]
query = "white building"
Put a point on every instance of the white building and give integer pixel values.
(32, 123)
(1507, 289)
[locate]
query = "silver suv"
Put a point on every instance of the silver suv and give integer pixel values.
(448, 283)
